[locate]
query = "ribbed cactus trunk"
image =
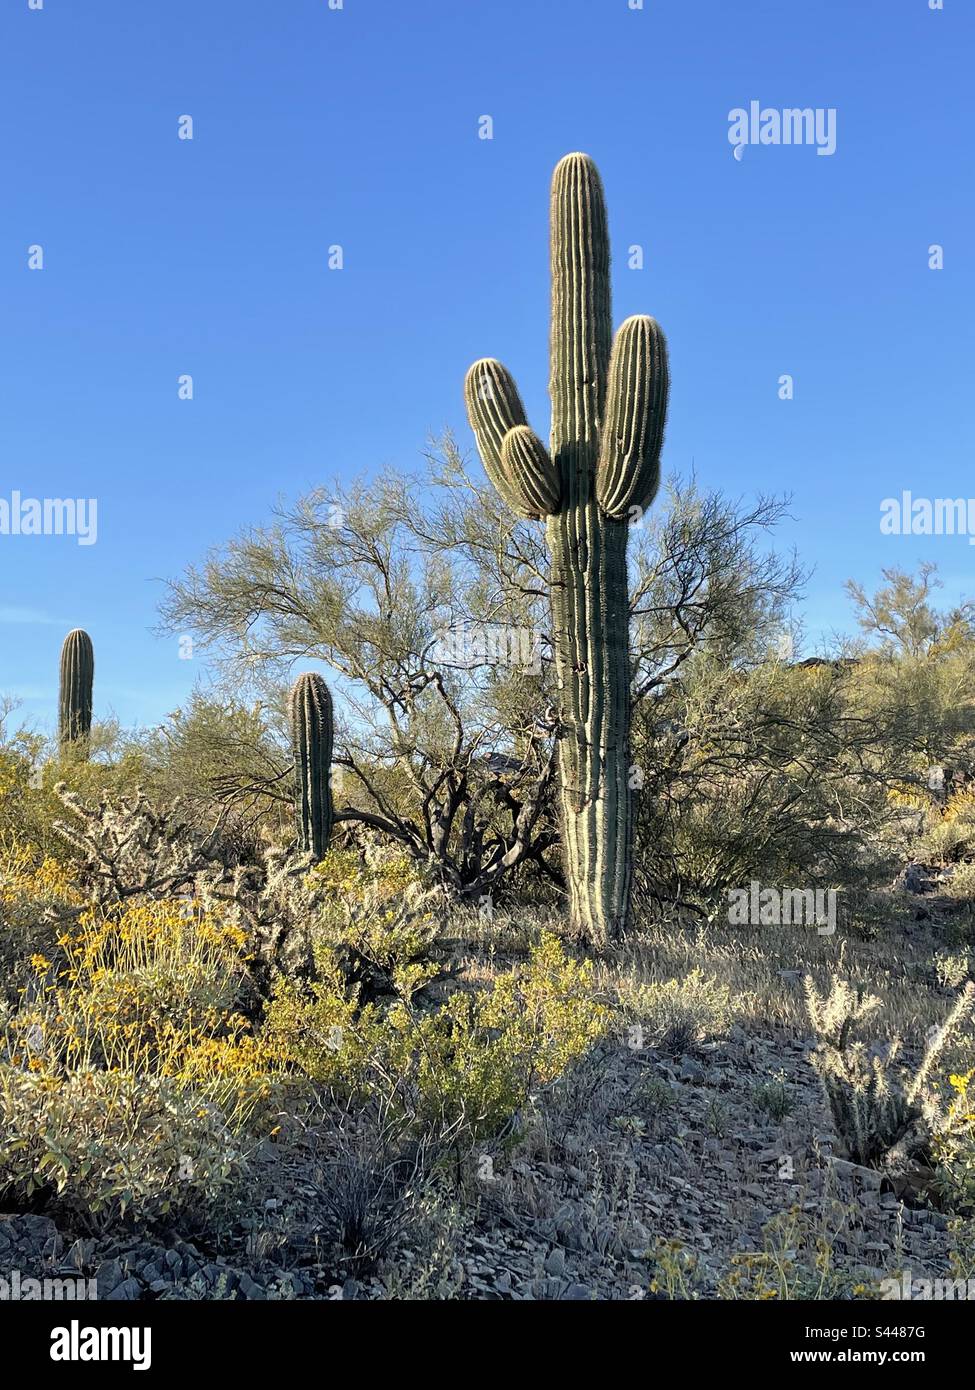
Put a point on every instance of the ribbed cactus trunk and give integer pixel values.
(609, 402)
(75, 695)
(311, 727)
(590, 595)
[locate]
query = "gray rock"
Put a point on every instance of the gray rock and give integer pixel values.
(108, 1276)
(127, 1292)
(868, 1178)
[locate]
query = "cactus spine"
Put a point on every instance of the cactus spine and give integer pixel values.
(609, 403)
(75, 699)
(311, 727)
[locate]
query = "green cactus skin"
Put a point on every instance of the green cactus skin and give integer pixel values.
(75, 698)
(312, 731)
(609, 403)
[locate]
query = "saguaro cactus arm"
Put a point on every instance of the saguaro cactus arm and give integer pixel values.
(524, 477)
(581, 328)
(628, 471)
(530, 472)
(75, 695)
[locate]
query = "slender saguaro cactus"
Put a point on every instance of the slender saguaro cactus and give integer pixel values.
(77, 678)
(311, 727)
(609, 403)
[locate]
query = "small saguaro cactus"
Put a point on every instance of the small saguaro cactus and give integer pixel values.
(75, 700)
(311, 728)
(609, 403)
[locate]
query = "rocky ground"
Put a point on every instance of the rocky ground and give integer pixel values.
(647, 1173)
(645, 1147)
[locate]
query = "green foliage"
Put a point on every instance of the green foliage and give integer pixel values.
(378, 928)
(35, 889)
(466, 1066)
(954, 1150)
(111, 1146)
(127, 1081)
(677, 1014)
(774, 1097)
(961, 884)
(228, 755)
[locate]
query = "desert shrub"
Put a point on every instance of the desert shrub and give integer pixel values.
(774, 1097)
(677, 1014)
(106, 1145)
(948, 832)
(464, 1067)
(129, 1085)
(226, 755)
(961, 1253)
(795, 1260)
(885, 1112)
(954, 1146)
(136, 985)
(951, 968)
(961, 883)
(746, 766)
(376, 1179)
(378, 927)
(32, 772)
(127, 847)
(35, 891)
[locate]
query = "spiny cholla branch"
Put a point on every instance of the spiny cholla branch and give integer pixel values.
(128, 848)
(885, 1114)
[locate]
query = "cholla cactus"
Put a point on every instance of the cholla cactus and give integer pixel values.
(883, 1113)
(77, 677)
(609, 402)
(311, 727)
(129, 849)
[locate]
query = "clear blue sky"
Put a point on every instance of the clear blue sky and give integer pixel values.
(359, 127)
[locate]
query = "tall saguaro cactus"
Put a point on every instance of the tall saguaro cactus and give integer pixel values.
(609, 403)
(311, 728)
(75, 697)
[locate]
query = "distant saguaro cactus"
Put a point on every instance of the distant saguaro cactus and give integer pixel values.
(609, 403)
(75, 699)
(311, 727)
